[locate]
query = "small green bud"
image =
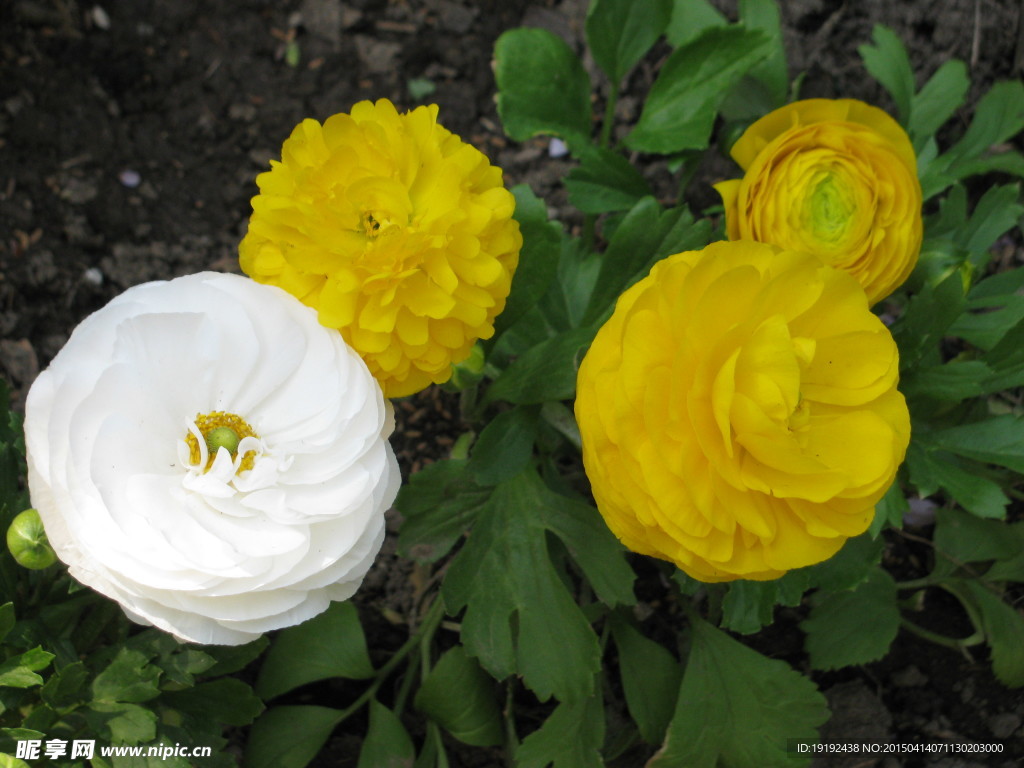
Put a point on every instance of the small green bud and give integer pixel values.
(26, 539)
(222, 437)
(469, 372)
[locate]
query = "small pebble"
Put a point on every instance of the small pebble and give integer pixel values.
(99, 17)
(911, 677)
(921, 512)
(1004, 725)
(129, 178)
(93, 276)
(557, 148)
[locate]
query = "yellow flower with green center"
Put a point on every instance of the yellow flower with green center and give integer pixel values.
(739, 412)
(398, 233)
(837, 179)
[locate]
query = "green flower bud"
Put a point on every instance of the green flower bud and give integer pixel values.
(469, 372)
(26, 539)
(222, 437)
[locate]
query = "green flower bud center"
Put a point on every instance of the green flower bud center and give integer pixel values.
(221, 429)
(830, 208)
(222, 437)
(27, 542)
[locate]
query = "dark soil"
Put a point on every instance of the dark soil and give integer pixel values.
(131, 132)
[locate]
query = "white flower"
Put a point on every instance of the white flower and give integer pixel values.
(214, 549)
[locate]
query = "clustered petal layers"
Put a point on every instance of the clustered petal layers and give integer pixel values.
(739, 412)
(396, 231)
(836, 178)
(211, 556)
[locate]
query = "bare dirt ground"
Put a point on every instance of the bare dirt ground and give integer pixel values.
(131, 132)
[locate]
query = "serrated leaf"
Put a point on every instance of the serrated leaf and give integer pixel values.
(931, 469)
(996, 440)
(227, 701)
(738, 708)
(329, 645)
(620, 32)
(387, 743)
(128, 678)
(570, 738)
(936, 102)
(951, 382)
(748, 606)
(888, 63)
(545, 372)
(1003, 627)
(763, 15)
(505, 446)
(542, 86)
(853, 626)
(690, 18)
(996, 213)
(681, 105)
(121, 722)
(66, 686)
(289, 737)
(646, 235)
(605, 181)
(928, 316)
(650, 679)
(505, 569)
(965, 538)
(849, 566)
(233, 658)
(438, 503)
(538, 259)
(998, 116)
(459, 696)
(20, 671)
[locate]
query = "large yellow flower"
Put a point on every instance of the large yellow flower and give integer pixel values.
(739, 412)
(396, 231)
(834, 178)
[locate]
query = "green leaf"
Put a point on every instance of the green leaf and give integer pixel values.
(936, 102)
(763, 15)
(542, 86)
(854, 626)
(748, 606)
(121, 723)
(928, 316)
(997, 440)
(887, 62)
(891, 509)
(505, 569)
(227, 701)
(605, 181)
(620, 32)
(129, 677)
(952, 382)
(998, 116)
(66, 687)
(1003, 627)
(329, 645)
(681, 106)
(931, 469)
(570, 738)
(387, 743)
(289, 737)
(538, 259)
(438, 504)
(967, 539)
(234, 658)
(690, 18)
(545, 372)
(20, 671)
(996, 213)
(9, 761)
(505, 446)
(646, 235)
(650, 679)
(738, 708)
(459, 695)
(850, 566)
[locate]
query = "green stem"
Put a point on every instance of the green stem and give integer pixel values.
(926, 581)
(426, 628)
(609, 114)
(511, 739)
(957, 644)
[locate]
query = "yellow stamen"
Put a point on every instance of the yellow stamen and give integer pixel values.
(214, 427)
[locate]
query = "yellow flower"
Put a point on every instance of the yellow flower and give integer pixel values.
(739, 412)
(398, 233)
(837, 179)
